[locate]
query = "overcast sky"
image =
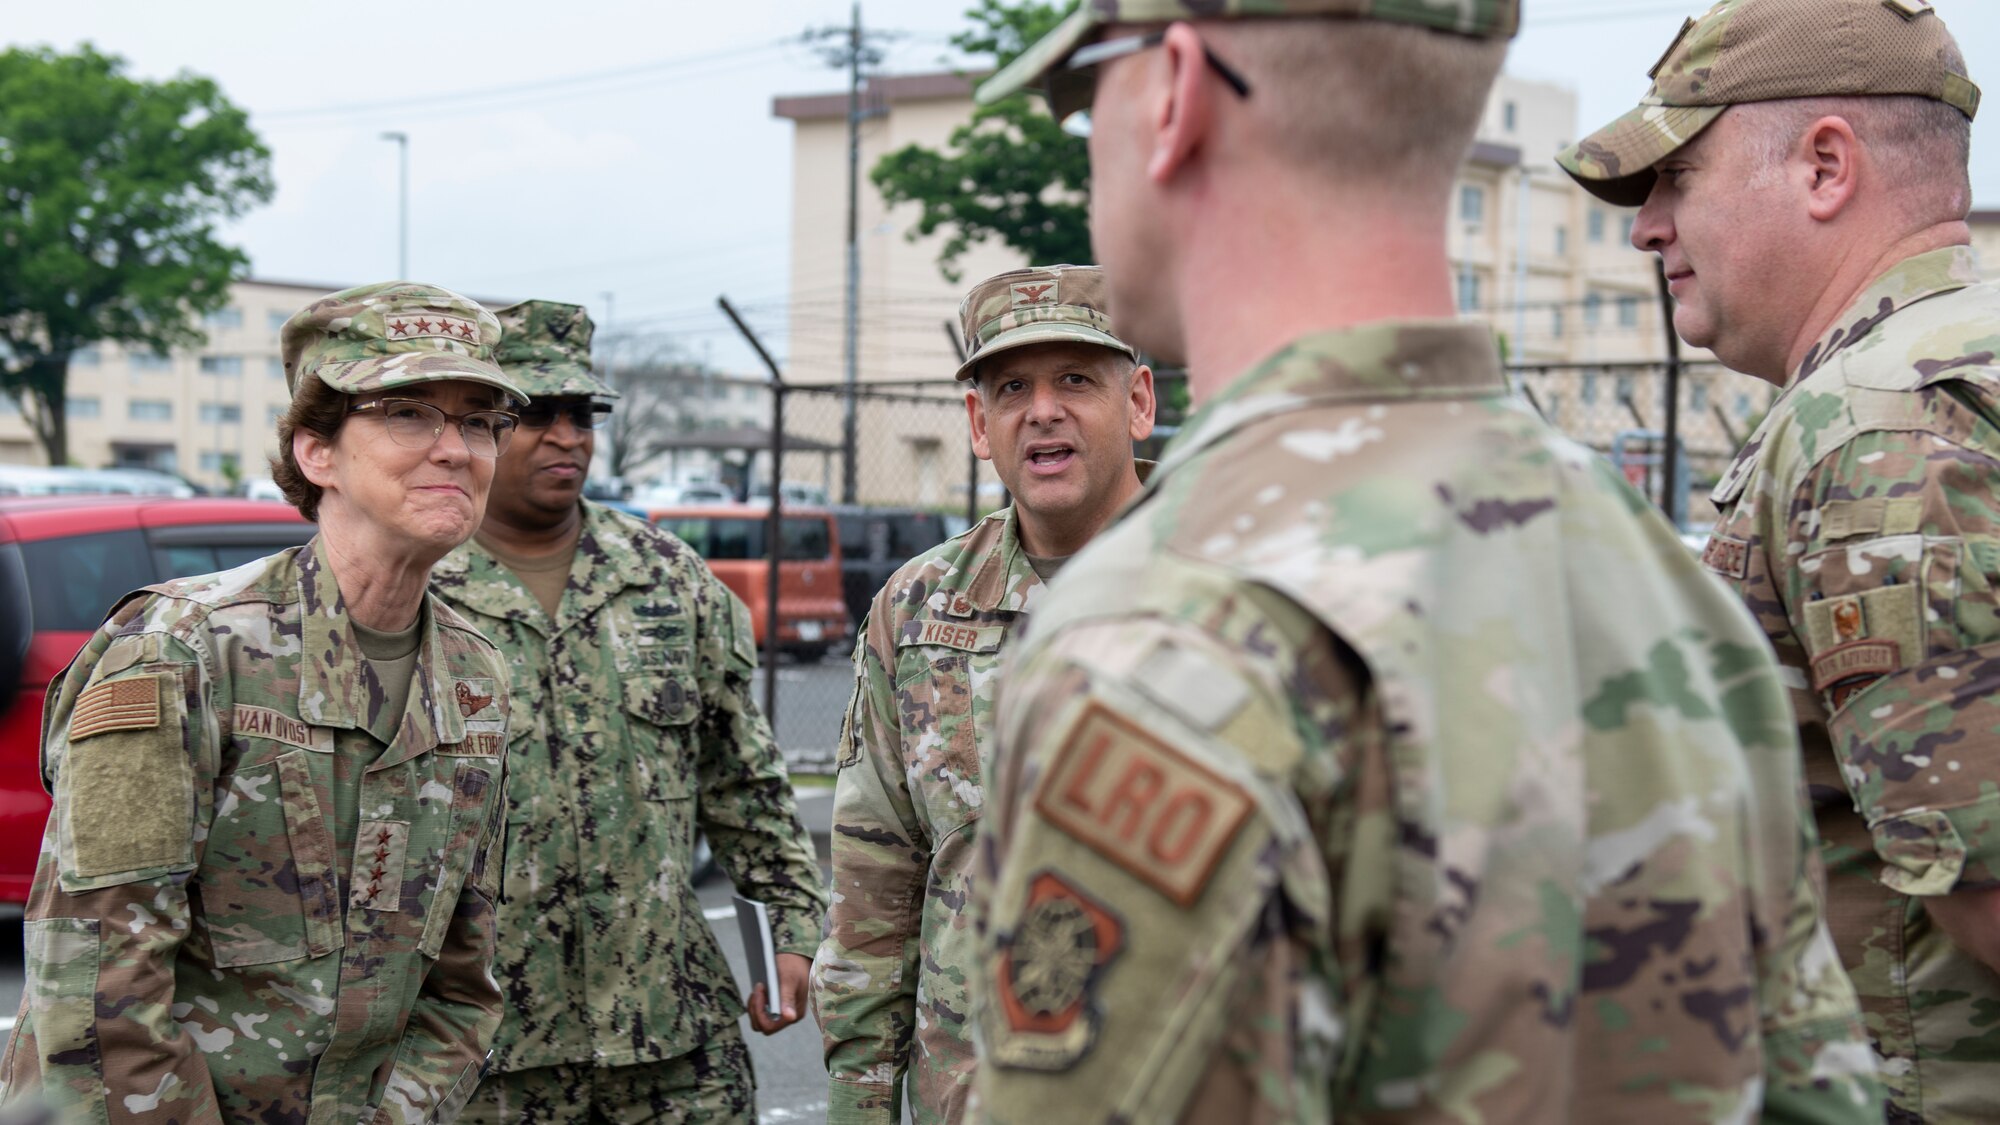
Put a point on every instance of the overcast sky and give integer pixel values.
(570, 150)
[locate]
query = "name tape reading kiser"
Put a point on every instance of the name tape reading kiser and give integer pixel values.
(948, 634)
(1142, 804)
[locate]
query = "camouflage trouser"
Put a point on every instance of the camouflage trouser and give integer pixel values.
(711, 1085)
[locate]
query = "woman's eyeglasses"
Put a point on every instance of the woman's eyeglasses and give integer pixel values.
(418, 425)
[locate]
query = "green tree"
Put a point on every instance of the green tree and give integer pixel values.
(111, 188)
(1010, 173)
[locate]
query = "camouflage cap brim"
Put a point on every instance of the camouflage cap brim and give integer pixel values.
(1616, 163)
(384, 373)
(1031, 65)
(1044, 333)
(1485, 19)
(558, 380)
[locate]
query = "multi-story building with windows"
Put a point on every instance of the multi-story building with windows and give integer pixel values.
(191, 412)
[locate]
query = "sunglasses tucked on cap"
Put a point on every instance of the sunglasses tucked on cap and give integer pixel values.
(393, 334)
(1480, 19)
(1746, 51)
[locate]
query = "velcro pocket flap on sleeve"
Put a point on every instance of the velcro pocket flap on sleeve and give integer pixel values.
(125, 790)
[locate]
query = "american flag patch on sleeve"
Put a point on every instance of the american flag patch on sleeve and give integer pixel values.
(128, 704)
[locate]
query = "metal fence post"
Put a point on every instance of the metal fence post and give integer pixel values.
(774, 525)
(971, 454)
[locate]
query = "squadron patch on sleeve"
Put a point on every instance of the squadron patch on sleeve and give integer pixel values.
(132, 704)
(1142, 804)
(1841, 673)
(1049, 965)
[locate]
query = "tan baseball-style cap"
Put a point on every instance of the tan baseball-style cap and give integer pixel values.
(392, 334)
(1767, 50)
(1041, 305)
(545, 347)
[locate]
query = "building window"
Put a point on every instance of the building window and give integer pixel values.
(1624, 388)
(1472, 204)
(150, 410)
(1510, 115)
(277, 319)
(85, 357)
(1595, 229)
(149, 361)
(83, 407)
(221, 412)
(211, 461)
(274, 366)
(231, 317)
(1468, 292)
(274, 415)
(1562, 241)
(1588, 393)
(1593, 309)
(1629, 221)
(1743, 406)
(1698, 397)
(1628, 312)
(1556, 323)
(1555, 407)
(8, 407)
(222, 365)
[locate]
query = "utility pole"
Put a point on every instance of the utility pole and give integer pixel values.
(403, 208)
(1524, 231)
(859, 49)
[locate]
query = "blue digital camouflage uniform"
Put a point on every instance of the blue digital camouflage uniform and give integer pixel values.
(205, 943)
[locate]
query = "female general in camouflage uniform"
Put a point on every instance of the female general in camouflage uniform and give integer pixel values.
(264, 892)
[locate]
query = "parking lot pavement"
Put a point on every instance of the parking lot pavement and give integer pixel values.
(791, 1082)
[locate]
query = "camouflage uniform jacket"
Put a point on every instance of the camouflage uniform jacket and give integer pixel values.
(1390, 761)
(637, 729)
(892, 974)
(1862, 526)
(196, 950)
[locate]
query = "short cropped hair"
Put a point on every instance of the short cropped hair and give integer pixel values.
(1923, 146)
(317, 409)
(1365, 101)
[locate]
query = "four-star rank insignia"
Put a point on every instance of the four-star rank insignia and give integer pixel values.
(1049, 966)
(435, 326)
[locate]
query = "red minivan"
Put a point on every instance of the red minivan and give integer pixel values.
(80, 554)
(812, 616)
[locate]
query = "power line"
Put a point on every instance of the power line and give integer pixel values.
(516, 88)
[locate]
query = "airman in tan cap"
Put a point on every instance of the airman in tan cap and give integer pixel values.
(1056, 401)
(1802, 165)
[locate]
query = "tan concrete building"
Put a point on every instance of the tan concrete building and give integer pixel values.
(187, 412)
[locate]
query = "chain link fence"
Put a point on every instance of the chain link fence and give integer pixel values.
(865, 482)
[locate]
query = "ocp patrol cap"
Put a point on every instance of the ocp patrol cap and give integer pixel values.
(545, 347)
(1480, 19)
(392, 334)
(1746, 51)
(1039, 305)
